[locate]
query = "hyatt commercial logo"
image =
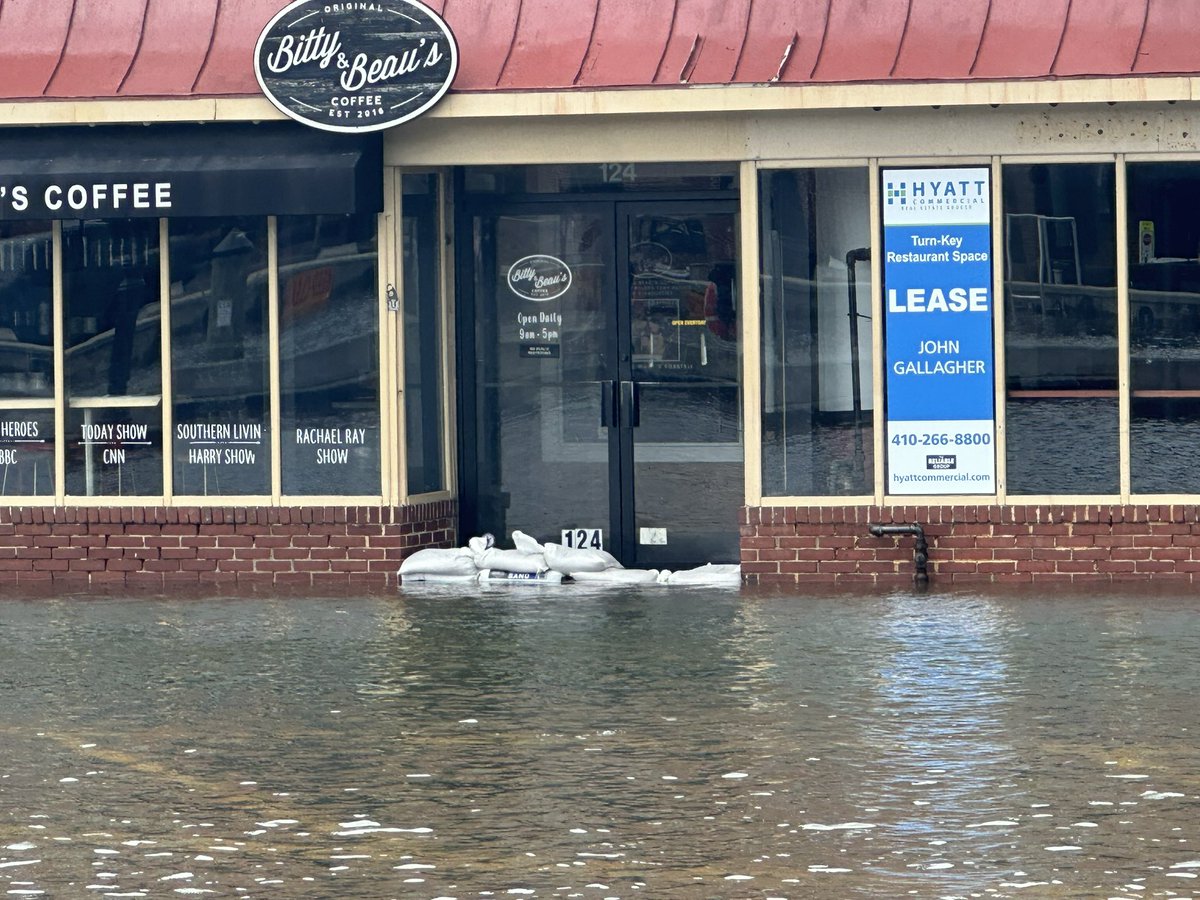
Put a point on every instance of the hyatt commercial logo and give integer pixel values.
(897, 192)
(941, 463)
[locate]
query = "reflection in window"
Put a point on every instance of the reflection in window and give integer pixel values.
(422, 336)
(113, 357)
(26, 301)
(817, 425)
(1164, 327)
(219, 358)
(329, 355)
(1061, 328)
(26, 358)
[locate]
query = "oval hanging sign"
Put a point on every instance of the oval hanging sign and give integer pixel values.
(539, 277)
(355, 66)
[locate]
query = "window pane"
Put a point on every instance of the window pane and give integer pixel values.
(1164, 327)
(219, 356)
(329, 355)
(1061, 329)
(26, 301)
(26, 358)
(27, 452)
(422, 335)
(113, 357)
(817, 426)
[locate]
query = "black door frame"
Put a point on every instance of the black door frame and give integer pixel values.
(622, 525)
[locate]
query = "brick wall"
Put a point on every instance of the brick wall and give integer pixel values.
(216, 548)
(973, 544)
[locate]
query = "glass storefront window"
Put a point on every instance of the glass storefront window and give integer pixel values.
(26, 359)
(817, 366)
(27, 453)
(26, 300)
(329, 355)
(219, 357)
(1061, 328)
(1164, 327)
(422, 336)
(113, 357)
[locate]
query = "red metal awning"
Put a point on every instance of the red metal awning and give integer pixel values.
(160, 48)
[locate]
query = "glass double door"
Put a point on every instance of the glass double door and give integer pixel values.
(604, 404)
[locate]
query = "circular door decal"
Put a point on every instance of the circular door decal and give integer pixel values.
(539, 277)
(355, 66)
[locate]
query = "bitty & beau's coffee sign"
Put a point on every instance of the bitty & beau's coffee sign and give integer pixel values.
(356, 66)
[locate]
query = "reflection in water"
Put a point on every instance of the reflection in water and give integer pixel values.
(600, 743)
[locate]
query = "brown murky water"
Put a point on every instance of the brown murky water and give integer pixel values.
(559, 742)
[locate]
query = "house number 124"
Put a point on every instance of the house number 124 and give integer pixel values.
(618, 173)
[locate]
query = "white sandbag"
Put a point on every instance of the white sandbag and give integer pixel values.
(478, 545)
(423, 578)
(440, 561)
(512, 561)
(712, 573)
(548, 577)
(525, 543)
(618, 576)
(571, 560)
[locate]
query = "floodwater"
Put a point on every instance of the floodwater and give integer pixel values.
(535, 741)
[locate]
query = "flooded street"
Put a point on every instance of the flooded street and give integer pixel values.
(563, 742)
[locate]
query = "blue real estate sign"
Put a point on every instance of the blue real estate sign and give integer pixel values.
(937, 275)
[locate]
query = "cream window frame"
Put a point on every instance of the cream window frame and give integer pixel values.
(59, 404)
(445, 327)
(753, 337)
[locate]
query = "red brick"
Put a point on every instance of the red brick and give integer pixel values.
(124, 540)
(1154, 565)
(1135, 553)
(761, 567)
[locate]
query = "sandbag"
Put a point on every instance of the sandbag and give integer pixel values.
(439, 561)
(512, 561)
(618, 576)
(572, 560)
(478, 545)
(494, 576)
(712, 573)
(525, 543)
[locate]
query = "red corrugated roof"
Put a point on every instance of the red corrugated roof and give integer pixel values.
(168, 48)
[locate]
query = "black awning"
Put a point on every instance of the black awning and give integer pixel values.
(76, 172)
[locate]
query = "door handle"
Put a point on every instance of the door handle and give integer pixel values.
(631, 405)
(608, 404)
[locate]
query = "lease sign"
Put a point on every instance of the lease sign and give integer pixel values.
(937, 274)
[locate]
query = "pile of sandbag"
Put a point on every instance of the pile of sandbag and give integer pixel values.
(532, 562)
